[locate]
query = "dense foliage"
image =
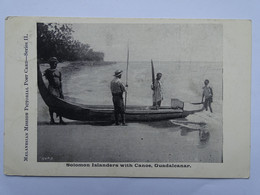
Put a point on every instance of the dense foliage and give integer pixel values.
(57, 40)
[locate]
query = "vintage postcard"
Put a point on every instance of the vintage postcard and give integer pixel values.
(127, 97)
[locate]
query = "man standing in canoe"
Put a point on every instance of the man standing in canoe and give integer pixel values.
(157, 91)
(55, 85)
(117, 90)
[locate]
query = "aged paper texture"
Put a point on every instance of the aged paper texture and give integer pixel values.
(127, 97)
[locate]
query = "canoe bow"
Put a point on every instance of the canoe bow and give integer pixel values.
(81, 112)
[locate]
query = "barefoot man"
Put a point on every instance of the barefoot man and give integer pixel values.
(157, 91)
(55, 86)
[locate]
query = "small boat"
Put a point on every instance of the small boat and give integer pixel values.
(75, 111)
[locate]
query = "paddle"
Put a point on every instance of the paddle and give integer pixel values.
(127, 62)
(153, 76)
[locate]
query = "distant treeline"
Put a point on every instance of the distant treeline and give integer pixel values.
(57, 40)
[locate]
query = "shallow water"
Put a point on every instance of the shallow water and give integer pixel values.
(183, 80)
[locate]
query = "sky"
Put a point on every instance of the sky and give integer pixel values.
(160, 42)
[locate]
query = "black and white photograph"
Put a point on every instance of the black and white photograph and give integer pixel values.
(130, 92)
(127, 97)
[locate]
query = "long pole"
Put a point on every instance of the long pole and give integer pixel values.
(127, 63)
(153, 81)
(153, 76)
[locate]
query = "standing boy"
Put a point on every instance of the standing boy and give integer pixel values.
(208, 94)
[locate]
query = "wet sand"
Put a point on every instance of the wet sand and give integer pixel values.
(138, 142)
(160, 141)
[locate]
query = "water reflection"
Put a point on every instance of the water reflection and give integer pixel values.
(185, 131)
(160, 124)
(204, 136)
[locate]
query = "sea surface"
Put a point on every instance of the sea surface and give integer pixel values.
(183, 80)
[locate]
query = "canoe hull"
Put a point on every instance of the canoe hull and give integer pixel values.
(80, 112)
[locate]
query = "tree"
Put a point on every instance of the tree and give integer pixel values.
(57, 40)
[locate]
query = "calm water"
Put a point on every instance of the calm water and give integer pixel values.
(90, 85)
(182, 80)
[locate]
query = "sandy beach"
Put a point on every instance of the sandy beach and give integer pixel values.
(163, 141)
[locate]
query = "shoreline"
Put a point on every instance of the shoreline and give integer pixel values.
(141, 142)
(88, 63)
(81, 63)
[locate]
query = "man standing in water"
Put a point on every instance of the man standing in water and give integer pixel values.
(208, 94)
(117, 90)
(157, 91)
(55, 86)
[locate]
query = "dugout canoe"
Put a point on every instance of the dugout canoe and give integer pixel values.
(75, 111)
